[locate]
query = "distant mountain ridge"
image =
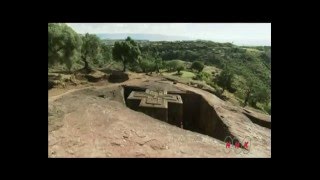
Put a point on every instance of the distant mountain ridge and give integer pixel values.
(136, 36)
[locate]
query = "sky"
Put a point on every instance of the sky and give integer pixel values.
(238, 33)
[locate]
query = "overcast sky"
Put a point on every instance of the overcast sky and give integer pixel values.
(238, 33)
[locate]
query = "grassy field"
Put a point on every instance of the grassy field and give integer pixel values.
(184, 74)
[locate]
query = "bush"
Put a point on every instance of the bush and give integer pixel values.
(147, 65)
(225, 80)
(202, 76)
(267, 108)
(260, 94)
(179, 68)
(197, 65)
(135, 68)
(232, 89)
(173, 65)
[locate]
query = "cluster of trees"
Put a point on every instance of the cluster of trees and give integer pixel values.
(65, 46)
(251, 63)
(241, 60)
(252, 91)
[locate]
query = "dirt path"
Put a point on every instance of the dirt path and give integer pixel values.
(54, 97)
(56, 93)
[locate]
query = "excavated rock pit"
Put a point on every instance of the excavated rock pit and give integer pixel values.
(198, 115)
(95, 122)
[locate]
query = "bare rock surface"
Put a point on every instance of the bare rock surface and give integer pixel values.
(94, 122)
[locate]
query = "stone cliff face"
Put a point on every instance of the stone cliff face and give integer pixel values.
(230, 120)
(95, 122)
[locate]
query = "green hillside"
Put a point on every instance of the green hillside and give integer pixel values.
(240, 74)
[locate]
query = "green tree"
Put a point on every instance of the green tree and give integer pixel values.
(106, 52)
(173, 65)
(260, 94)
(158, 64)
(179, 68)
(225, 79)
(126, 51)
(148, 62)
(197, 65)
(157, 60)
(90, 50)
(251, 86)
(147, 65)
(63, 43)
(256, 91)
